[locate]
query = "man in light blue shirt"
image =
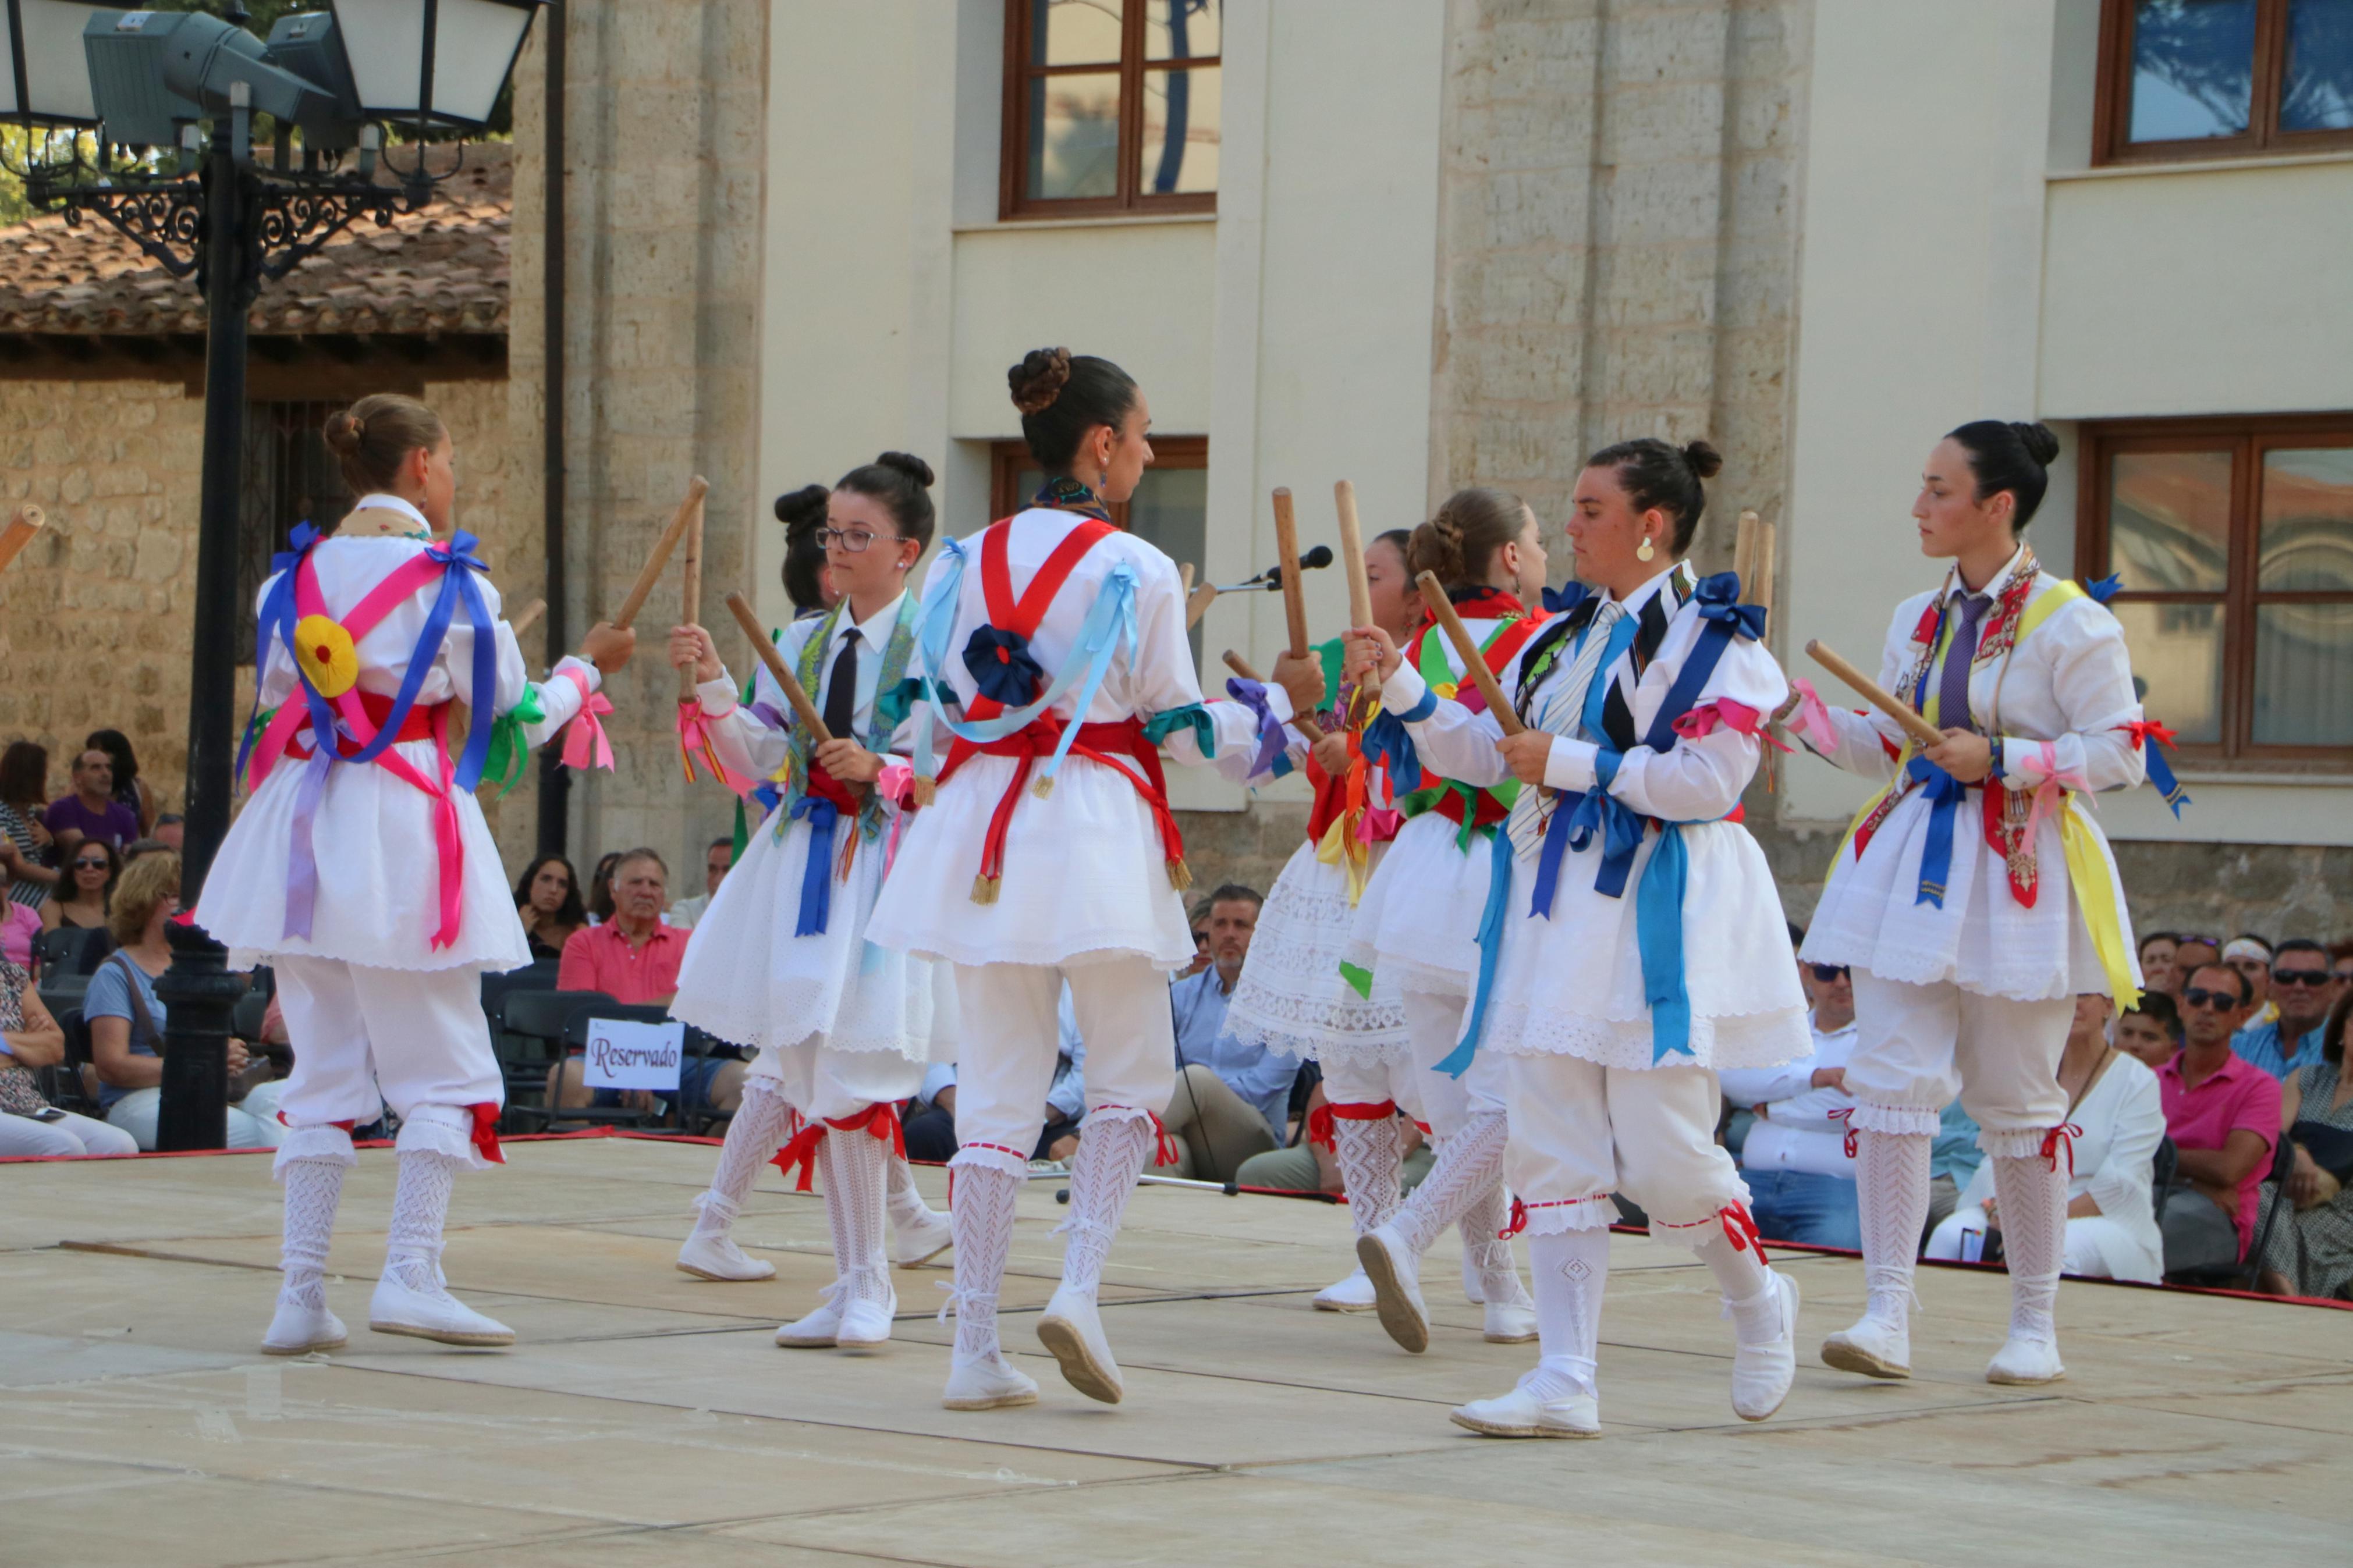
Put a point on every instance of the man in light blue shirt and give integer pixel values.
(1232, 1100)
(2285, 1045)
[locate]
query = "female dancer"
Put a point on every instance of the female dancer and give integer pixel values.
(1057, 637)
(1967, 960)
(1641, 703)
(362, 870)
(1416, 924)
(1292, 997)
(780, 960)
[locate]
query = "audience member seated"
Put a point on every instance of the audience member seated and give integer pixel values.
(2251, 955)
(1953, 1160)
(127, 1020)
(1310, 1165)
(26, 845)
(92, 868)
(1800, 1178)
(599, 897)
(2223, 1115)
(2192, 952)
(130, 789)
(1232, 1100)
(634, 958)
(2117, 1119)
(2311, 1254)
(547, 900)
(30, 1039)
(171, 831)
(91, 811)
(138, 847)
(2151, 1032)
(2156, 963)
(2299, 983)
(717, 857)
(2340, 969)
(19, 923)
(1198, 919)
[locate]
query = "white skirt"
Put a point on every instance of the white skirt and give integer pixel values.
(378, 900)
(747, 979)
(1572, 985)
(1982, 940)
(1291, 996)
(1417, 927)
(1085, 877)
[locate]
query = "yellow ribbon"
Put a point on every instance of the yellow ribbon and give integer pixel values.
(1341, 846)
(2096, 896)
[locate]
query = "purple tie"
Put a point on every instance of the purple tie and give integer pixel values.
(1952, 683)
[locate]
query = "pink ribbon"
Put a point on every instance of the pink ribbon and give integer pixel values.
(1812, 718)
(1378, 825)
(585, 745)
(1723, 713)
(694, 740)
(2051, 795)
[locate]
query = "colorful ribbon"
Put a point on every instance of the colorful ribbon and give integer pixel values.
(485, 1135)
(1725, 713)
(1491, 947)
(1812, 722)
(816, 874)
(509, 746)
(1944, 793)
(1322, 1128)
(585, 742)
(694, 740)
(2063, 1136)
(2154, 740)
(2051, 795)
(1273, 758)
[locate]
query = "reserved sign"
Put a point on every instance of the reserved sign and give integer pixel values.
(626, 1054)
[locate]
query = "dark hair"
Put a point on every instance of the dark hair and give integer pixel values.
(600, 885)
(2246, 986)
(571, 912)
(2006, 455)
(375, 435)
(2337, 951)
(2156, 1004)
(1062, 397)
(1234, 892)
(138, 847)
(1796, 931)
(2332, 1032)
(724, 841)
(2298, 944)
(116, 744)
(902, 482)
(2149, 936)
(24, 773)
(1653, 474)
(1400, 537)
(803, 513)
(1459, 544)
(113, 868)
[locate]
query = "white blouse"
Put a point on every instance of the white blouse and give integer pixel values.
(2122, 1119)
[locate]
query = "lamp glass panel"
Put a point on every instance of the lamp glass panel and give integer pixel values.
(56, 72)
(474, 43)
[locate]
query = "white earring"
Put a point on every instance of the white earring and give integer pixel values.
(1646, 551)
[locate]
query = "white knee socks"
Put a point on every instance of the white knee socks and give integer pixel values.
(1570, 1270)
(853, 1164)
(982, 1213)
(754, 1134)
(420, 1206)
(1483, 1245)
(313, 1189)
(2032, 1196)
(1112, 1151)
(1467, 1167)
(1366, 1153)
(1892, 1187)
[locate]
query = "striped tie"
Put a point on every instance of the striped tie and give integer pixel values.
(1563, 715)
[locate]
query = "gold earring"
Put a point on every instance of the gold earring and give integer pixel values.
(1646, 551)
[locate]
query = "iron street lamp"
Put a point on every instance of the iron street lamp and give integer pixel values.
(146, 119)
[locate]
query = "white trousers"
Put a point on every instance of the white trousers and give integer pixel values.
(1354, 1080)
(1009, 1043)
(1580, 1131)
(364, 1038)
(1448, 1104)
(137, 1112)
(1917, 1046)
(818, 1082)
(68, 1137)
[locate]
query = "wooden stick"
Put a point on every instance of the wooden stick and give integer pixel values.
(1306, 725)
(1752, 559)
(1434, 599)
(1185, 578)
(802, 707)
(529, 618)
(691, 575)
(1197, 604)
(1913, 725)
(687, 510)
(1352, 556)
(19, 532)
(1743, 552)
(1286, 551)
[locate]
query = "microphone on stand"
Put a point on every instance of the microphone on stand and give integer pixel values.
(1271, 580)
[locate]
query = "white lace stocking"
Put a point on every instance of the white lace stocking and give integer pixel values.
(982, 1213)
(2032, 1198)
(1570, 1270)
(1366, 1152)
(313, 1190)
(854, 1162)
(420, 1207)
(754, 1134)
(1481, 1226)
(1467, 1167)
(1112, 1151)
(1891, 1186)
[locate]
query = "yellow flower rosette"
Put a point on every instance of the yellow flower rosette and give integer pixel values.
(329, 660)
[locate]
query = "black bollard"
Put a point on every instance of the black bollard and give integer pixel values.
(199, 994)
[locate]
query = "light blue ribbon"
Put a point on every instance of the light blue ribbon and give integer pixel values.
(1659, 937)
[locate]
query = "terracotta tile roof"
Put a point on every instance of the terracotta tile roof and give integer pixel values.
(443, 269)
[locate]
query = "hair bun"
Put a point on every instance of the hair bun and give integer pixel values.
(802, 507)
(1037, 379)
(1706, 461)
(2037, 438)
(908, 464)
(343, 431)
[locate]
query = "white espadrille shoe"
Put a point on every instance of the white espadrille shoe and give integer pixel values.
(398, 1308)
(1874, 1347)
(1390, 1265)
(865, 1326)
(1523, 1413)
(302, 1324)
(716, 1257)
(819, 1329)
(986, 1383)
(2022, 1360)
(1072, 1328)
(1354, 1294)
(1762, 1374)
(919, 1243)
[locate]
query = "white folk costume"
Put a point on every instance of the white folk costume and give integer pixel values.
(780, 963)
(1972, 916)
(1636, 944)
(1416, 928)
(362, 872)
(1047, 854)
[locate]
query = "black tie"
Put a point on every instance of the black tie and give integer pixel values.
(841, 690)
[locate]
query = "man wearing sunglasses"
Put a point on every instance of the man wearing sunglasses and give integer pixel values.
(2222, 1114)
(2302, 991)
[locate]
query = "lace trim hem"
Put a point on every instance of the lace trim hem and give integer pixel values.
(1733, 1040)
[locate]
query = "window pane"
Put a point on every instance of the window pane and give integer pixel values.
(2318, 92)
(2303, 675)
(2177, 659)
(1074, 32)
(1073, 136)
(1171, 509)
(2194, 68)
(1027, 482)
(1179, 151)
(2307, 527)
(1180, 29)
(2169, 520)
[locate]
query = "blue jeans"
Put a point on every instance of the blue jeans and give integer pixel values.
(1801, 1205)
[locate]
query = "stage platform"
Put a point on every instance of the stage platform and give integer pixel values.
(646, 1418)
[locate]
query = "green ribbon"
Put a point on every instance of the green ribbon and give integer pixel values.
(510, 753)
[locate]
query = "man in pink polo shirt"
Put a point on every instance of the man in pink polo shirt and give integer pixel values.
(2222, 1113)
(634, 958)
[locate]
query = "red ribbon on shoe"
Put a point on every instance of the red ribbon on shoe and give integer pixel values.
(1740, 1229)
(486, 1132)
(1519, 1222)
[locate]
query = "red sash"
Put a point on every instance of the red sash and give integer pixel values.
(423, 723)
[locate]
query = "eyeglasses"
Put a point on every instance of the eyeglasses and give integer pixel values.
(1826, 972)
(854, 541)
(2213, 1000)
(89, 866)
(2300, 977)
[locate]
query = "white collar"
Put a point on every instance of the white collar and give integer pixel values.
(1846, 1028)
(1994, 585)
(381, 501)
(1634, 602)
(875, 630)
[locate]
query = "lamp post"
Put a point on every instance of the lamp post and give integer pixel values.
(132, 82)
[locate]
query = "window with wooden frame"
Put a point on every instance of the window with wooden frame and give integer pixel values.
(289, 478)
(1111, 106)
(2222, 78)
(2233, 540)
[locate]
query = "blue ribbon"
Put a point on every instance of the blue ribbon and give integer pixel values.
(2103, 589)
(1491, 947)
(1384, 741)
(816, 876)
(277, 618)
(1001, 666)
(1560, 601)
(1719, 598)
(2160, 775)
(1944, 793)
(1659, 937)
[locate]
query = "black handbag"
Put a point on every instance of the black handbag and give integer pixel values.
(2331, 1147)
